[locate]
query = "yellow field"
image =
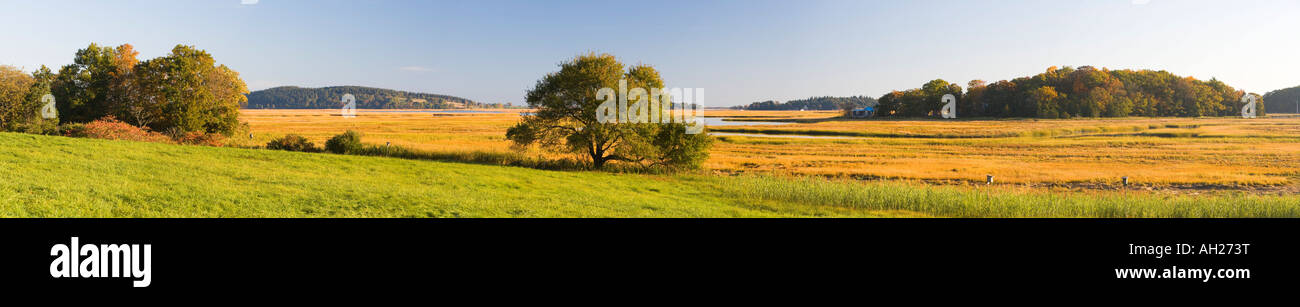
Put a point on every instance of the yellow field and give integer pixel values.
(434, 132)
(1189, 155)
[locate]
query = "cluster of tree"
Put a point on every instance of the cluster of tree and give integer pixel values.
(292, 97)
(182, 92)
(1069, 92)
(20, 99)
(566, 118)
(812, 103)
(1285, 100)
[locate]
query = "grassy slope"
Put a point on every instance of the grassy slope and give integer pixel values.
(42, 176)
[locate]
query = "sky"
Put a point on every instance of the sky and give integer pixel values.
(738, 51)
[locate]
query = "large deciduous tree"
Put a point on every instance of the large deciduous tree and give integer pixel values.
(186, 91)
(81, 88)
(565, 119)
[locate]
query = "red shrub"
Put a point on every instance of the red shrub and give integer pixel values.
(110, 128)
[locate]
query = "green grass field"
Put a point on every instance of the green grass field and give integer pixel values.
(47, 176)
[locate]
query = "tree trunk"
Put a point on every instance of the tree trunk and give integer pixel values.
(597, 157)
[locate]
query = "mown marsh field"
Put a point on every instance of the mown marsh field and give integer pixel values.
(1178, 155)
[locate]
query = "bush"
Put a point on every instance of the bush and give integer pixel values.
(109, 128)
(292, 142)
(71, 129)
(346, 143)
(200, 138)
(38, 126)
(679, 150)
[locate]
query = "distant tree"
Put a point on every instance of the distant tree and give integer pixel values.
(565, 119)
(973, 102)
(934, 91)
(925, 101)
(847, 108)
(999, 98)
(1086, 91)
(813, 103)
(1045, 101)
(890, 104)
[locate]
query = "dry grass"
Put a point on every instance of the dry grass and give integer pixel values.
(432, 132)
(1189, 154)
(1217, 152)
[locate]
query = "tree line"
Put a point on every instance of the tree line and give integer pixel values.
(182, 92)
(1285, 100)
(1068, 92)
(292, 97)
(812, 103)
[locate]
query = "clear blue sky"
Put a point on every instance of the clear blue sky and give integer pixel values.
(739, 51)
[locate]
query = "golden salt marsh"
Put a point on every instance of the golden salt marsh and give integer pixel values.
(1155, 153)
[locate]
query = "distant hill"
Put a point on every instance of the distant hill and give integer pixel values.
(1282, 101)
(293, 97)
(813, 103)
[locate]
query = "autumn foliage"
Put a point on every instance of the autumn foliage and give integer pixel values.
(1069, 92)
(109, 128)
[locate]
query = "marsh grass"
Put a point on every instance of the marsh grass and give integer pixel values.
(1005, 202)
(1226, 153)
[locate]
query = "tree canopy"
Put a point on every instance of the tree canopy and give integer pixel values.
(185, 91)
(1069, 92)
(14, 88)
(565, 119)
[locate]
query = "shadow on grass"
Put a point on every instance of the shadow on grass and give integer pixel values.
(475, 157)
(500, 159)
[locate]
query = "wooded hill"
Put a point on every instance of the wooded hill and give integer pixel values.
(812, 103)
(293, 97)
(1283, 101)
